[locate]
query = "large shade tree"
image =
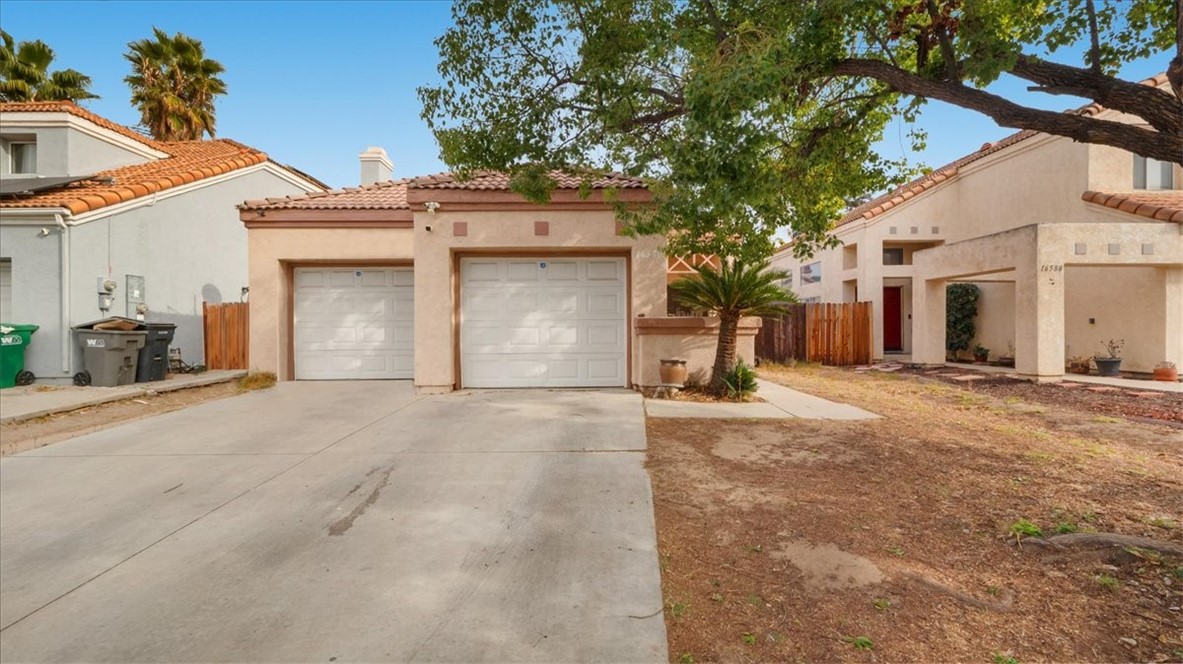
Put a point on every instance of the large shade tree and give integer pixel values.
(25, 74)
(174, 86)
(750, 115)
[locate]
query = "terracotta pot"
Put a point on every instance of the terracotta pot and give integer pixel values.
(673, 372)
(1168, 374)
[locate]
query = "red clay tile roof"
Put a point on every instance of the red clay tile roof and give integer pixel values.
(389, 195)
(881, 204)
(76, 110)
(495, 181)
(1161, 205)
(392, 195)
(189, 161)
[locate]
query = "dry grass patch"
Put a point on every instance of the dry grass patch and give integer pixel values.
(257, 380)
(807, 540)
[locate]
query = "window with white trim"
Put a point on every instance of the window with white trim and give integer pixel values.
(24, 158)
(1153, 174)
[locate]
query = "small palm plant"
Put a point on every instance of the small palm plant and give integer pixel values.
(734, 290)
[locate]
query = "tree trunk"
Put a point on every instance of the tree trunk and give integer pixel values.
(724, 351)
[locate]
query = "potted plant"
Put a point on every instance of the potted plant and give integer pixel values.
(1110, 363)
(981, 353)
(1078, 365)
(673, 372)
(1166, 371)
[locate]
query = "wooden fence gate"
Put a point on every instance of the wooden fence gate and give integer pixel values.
(830, 333)
(227, 335)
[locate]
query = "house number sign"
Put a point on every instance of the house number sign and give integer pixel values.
(1051, 267)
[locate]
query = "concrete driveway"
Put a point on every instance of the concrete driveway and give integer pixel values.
(342, 521)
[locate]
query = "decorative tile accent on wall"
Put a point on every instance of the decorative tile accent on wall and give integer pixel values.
(1081, 248)
(1147, 249)
(936, 230)
(915, 230)
(542, 228)
(1114, 248)
(459, 228)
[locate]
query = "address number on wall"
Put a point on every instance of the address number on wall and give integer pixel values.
(1048, 267)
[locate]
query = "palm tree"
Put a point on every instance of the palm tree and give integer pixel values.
(735, 290)
(25, 75)
(174, 86)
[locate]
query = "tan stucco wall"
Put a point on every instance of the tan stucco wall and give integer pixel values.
(274, 250)
(995, 323)
(696, 343)
(588, 232)
(1139, 295)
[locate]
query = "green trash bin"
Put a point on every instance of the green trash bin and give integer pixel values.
(13, 341)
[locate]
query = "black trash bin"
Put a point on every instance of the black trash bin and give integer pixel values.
(153, 361)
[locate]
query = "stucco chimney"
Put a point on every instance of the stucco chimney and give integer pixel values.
(375, 166)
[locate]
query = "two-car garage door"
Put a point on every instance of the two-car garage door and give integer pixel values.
(524, 322)
(543, 322)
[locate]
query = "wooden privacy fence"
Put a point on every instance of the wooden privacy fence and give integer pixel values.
(783, 339)
(830, 333)
(227, 335)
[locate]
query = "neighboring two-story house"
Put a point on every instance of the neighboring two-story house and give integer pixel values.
(1071, 244)
(87, 205)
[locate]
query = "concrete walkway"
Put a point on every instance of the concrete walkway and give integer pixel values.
(1127, 383)
(346, 521)
(32, 401)
(780, 402)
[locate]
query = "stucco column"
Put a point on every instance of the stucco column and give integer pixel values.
(1039, 317)
(1173, 315)
(870, 286)
(928, 321)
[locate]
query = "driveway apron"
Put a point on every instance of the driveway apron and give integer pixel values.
(339, 521)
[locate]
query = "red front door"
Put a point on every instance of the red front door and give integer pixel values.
(893, 335)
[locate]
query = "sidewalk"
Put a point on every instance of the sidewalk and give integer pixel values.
(18, 404)
(780, 402)
(1128, 383)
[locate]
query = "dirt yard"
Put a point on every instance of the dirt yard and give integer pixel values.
(893, 539)
(31, 434)
(1115, 401)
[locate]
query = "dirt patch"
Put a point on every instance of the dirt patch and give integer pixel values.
(31, 434)
(1084, 397)
(890, 539)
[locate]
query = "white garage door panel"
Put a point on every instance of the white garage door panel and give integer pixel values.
(541, 322)
(354, 323)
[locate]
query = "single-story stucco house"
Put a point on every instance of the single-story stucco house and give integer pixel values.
(464, 284)
(88, 204)
(1071, 245)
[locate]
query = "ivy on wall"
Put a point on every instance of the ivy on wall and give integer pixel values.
(961, 308)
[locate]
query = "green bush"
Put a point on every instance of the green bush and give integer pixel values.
(740, 382)
(961, 308)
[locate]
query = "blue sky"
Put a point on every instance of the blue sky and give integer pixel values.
(315, 83)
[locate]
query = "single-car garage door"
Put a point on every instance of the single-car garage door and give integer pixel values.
(543, 322)
(354, 323)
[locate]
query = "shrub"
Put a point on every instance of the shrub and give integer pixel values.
(961, 308)
(740, 382)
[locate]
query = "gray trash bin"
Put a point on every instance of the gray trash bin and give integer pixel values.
(153, 360)
(110, 350)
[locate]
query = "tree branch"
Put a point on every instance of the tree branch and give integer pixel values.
(952, 68)
(1094, 37)
(1158, 108)
(1158, 145)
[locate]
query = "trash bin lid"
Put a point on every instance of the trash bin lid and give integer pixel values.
(161, 326)
(113, 323)
(5, 328)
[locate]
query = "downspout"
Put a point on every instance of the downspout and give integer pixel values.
(64, 257)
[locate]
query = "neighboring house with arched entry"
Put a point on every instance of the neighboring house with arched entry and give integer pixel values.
(1071, 244)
